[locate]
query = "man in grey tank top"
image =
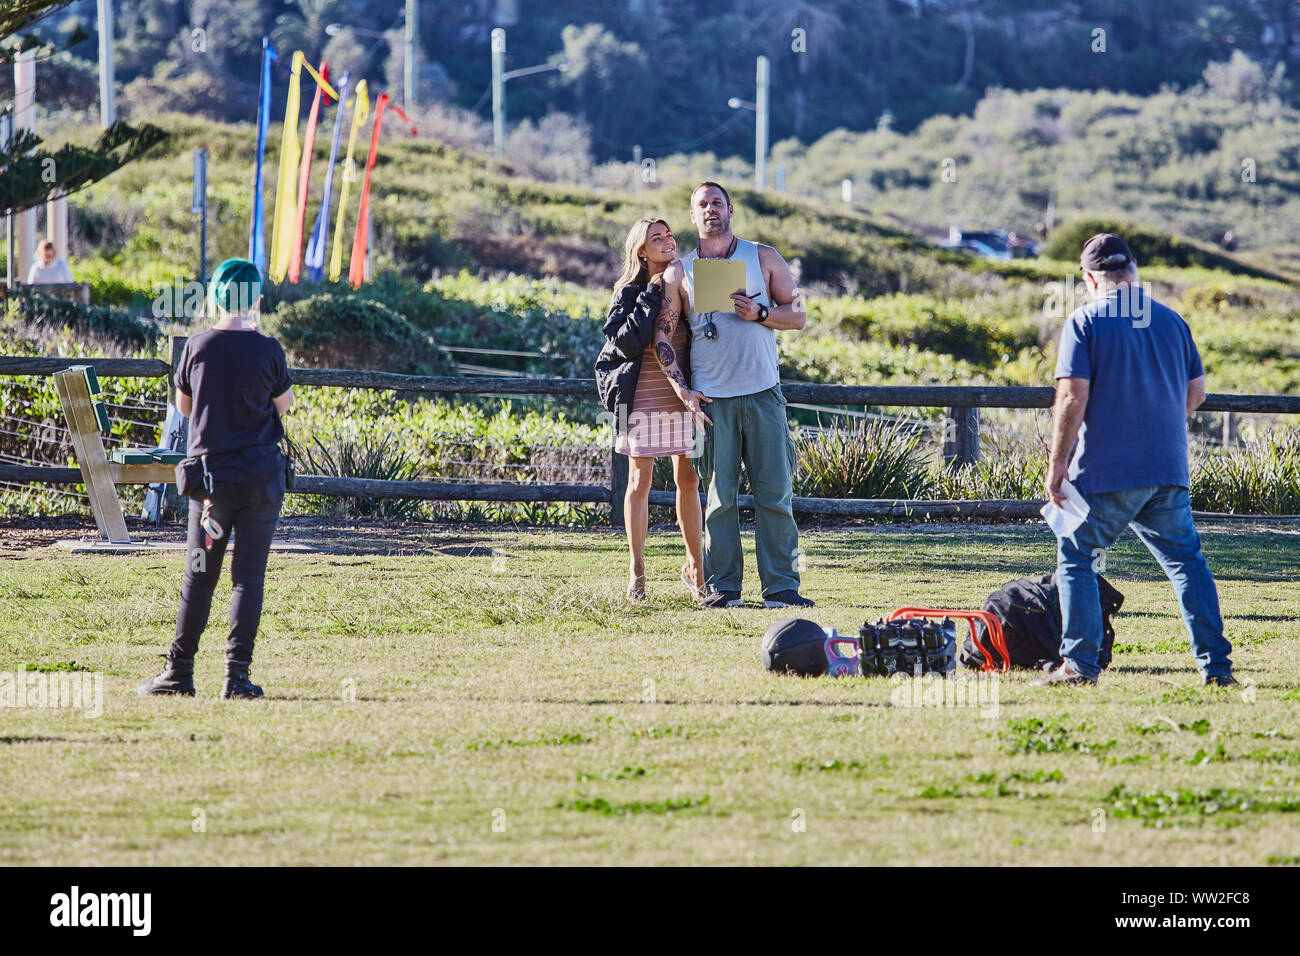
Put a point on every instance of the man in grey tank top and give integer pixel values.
(733, 367)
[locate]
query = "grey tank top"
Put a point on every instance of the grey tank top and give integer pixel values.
(742, 359)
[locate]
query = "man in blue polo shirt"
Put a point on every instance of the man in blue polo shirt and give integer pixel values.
(1127, 376)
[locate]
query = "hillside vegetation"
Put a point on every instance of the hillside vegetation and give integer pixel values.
(1215, 158)
(470, 255)
(884, 305)
(835, 63)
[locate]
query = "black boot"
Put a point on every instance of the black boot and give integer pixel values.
(237, 683)
(177, 678)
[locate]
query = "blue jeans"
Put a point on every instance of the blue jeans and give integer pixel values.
(1162, 518)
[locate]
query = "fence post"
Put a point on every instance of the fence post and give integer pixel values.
(176, 345)
(171, 502)
(961, 437)
(617, 487)
(1229, 429)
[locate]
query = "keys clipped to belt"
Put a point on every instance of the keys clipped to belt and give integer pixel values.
(211, 527)
(210, 524)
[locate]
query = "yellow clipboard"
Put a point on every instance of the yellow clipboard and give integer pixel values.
(714, 281)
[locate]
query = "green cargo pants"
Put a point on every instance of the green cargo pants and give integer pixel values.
(753, 430)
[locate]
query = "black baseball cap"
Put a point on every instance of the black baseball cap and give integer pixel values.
(1106, 253)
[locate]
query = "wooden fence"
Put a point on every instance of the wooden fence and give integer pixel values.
(962, 403)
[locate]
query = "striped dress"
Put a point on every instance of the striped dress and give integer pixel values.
(659, 424)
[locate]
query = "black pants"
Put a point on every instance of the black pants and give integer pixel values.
(250, 512)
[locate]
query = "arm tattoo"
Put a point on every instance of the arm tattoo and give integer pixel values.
(665, 325)
(667, 321)
(668, 361)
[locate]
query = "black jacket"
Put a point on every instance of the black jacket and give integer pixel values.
(629, 329)
(1030, 612)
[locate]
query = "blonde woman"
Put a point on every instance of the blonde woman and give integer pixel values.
(651, 419)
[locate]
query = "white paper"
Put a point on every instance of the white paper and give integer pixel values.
(1064, 520)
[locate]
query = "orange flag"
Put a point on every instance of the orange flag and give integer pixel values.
(357, 268)
(304, 174)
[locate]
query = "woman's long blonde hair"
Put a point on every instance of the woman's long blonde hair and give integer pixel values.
(633, 264)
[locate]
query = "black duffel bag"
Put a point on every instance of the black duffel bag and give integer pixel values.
(1030, 612)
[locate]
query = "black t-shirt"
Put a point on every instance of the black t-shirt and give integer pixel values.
(232, 375)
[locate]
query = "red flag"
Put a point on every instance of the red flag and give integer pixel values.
(304, 177)
(357, 267)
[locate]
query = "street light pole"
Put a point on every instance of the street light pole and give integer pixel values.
(760, 125)
(411, 71)
(499, 78)
(107, 112)
(24, 118)
(6, 133)
(200, 205)
(498, 92)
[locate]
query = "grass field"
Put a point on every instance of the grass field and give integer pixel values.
(486, 697)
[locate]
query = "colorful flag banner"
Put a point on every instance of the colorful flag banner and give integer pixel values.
(282, 218)
(356, 270)
(360, 113)
(315, 258)
(290, 152)
(304, 176)
(257, 227)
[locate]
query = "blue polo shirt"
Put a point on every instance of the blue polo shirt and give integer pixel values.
(1139, 357)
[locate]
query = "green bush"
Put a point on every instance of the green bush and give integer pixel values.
(1014, 476)
(47, 314)
(868, 460)
(333, 330)
(1261, 477)
(1152, 247)
(953, 326)
(1220, 297)
(377, 457)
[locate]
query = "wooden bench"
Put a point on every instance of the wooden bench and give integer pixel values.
(87, 416)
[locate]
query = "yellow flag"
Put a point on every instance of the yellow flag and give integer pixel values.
(360, 112)
(320, 80)
(286, 190)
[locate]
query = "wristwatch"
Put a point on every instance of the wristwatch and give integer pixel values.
(762, 314)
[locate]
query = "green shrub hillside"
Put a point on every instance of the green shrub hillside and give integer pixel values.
(46, 315)
(438, 210)
(343, 331)
(1200, 161)
(981, 331)
(1150, 246)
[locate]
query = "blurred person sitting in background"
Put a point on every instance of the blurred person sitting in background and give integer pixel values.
(48, 268)
(233, 383)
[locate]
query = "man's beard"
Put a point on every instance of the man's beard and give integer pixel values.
(715, 228)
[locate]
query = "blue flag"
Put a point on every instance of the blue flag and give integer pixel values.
(315, 258)
(257, 228)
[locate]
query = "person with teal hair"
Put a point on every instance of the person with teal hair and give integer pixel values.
(233, 383)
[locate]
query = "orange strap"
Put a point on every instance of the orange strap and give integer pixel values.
(994, 626)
